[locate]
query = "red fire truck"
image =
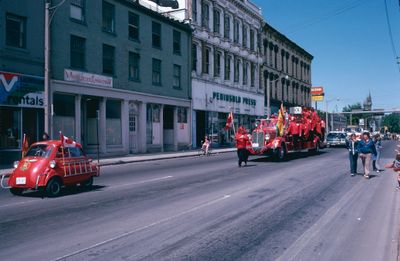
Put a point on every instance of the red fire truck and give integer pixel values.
(303, 130)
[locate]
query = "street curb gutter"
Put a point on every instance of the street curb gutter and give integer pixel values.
(136, 159)
(163, 157)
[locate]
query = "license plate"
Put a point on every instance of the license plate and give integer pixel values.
(21, 181)
(255, 144)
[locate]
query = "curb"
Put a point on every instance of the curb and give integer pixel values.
(163, 157)
(120, 161)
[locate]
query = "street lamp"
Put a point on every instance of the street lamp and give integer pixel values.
(326, 114)
(269, 94)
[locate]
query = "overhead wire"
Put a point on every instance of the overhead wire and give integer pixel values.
(396, 57)
(336, 12)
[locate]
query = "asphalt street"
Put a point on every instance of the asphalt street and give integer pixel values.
(207, 208)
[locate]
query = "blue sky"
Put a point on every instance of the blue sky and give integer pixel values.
(350, 43)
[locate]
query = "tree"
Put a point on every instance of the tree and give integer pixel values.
(355, 117)
(392, 121)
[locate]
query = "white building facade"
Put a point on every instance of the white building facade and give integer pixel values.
(226, 62)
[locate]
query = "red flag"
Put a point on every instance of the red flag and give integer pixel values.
(25, 146)
(67, 142)
(229, 121)
(280, 125)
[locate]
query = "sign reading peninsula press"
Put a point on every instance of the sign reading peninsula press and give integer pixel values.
(88, 78)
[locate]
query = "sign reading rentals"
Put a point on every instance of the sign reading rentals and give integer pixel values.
(88, 78)
(317, 93)
(21, 90)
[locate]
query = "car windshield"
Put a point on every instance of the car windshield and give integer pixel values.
(332, 135)
(40, 150)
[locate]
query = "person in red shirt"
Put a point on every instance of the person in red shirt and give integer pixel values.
(241, 143)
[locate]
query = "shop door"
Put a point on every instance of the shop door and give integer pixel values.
(90, 107)
(201, 127)
(133, 124)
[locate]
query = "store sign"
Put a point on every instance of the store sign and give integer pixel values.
(21, 90)
(317, 98)
(88, 78)
(233, 98)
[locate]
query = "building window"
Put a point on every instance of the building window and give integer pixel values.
(244, 36)
(15, 31)
(205, 16)
(227, 26)
(182, 115)
(194, 10)
(64, 114)
(77, 52)
(236, 31)
(113, 123)
(194, 57)
(217, 21)
(77, 10)
(10, 127)
(108, 59)
(177, 42)
(236, 70)
(245, 72)
(156, 34)
(156, 72)
(133, 27)
(108, 17)
(251, 39)
(227, 67)
(282, 60)
(206, 60)
(217, 64)
(134, 66)
(177, 77)
(252, 74)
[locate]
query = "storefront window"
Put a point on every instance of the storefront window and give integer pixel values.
(10, 128)
(92, 107)
(153, 116)
(64, 115)
(182, 115)
(113, 122)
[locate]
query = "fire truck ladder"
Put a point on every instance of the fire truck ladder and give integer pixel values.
(78, 168)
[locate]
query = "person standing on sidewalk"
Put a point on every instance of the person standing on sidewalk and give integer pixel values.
(351, 145)
(366, 148)
(241, 143)
(375, 160)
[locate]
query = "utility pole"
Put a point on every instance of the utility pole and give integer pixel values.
(47, 124)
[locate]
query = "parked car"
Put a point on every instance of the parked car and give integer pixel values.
(336, 138)
(48, 165)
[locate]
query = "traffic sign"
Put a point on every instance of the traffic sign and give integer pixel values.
(317, 91)
(317, 97)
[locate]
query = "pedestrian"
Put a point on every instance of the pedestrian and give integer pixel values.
(395, 165)
(45, 136)
(241, 144)
(351, 145)
(378, 146)
(205, 146)
(366, 148)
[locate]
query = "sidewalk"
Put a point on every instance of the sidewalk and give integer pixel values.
(147, 157)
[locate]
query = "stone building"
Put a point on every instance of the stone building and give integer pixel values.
(287, 67)
(226, 61)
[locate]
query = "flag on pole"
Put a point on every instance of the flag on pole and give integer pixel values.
(67, 142)
(25, 146)
(229, 121)
(281, 121)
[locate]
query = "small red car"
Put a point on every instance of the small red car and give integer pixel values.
(47, 166)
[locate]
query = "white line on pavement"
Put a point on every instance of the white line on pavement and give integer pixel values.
(167, 219)
(142, 182)
(302, 242)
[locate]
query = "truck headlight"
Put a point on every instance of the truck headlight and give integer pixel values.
(52, 164)
(267, 136)
(16, 164)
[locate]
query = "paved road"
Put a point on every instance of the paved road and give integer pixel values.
(206, 208)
